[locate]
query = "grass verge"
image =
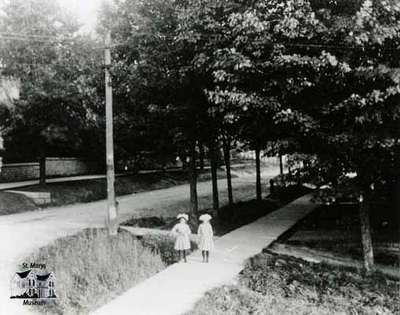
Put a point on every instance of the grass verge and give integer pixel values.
(278, 284)
(11, 203)
(92, 268)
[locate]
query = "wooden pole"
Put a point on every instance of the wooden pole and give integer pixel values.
(111, 202)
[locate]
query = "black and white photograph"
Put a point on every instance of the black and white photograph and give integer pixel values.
(199, 157)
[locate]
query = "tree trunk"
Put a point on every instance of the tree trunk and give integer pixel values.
(183, 159)
(193, 181)
(214, 175)
(201, 156)
(258, 175)
(227, 158)
(281, 164)
(366, 238)
(397, 205)
(42, 169)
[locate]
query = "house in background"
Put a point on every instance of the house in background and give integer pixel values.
(29, 284)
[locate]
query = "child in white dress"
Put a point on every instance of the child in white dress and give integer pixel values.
(182, 232)
(205, 234)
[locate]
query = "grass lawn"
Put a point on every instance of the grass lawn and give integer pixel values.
(336, 229)
(276, 284)
(66, 193)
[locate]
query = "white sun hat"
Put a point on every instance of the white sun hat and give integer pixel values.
(205, 217)
(183, 215)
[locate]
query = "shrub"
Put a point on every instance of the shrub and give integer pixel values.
(91, 268)
(337, 288)
(238, 300)
(146, 222)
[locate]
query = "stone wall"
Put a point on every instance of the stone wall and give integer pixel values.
(19, 172)
(55, 167)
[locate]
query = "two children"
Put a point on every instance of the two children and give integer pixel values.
(182, 232)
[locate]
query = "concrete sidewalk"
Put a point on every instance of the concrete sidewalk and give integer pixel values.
(176, 289)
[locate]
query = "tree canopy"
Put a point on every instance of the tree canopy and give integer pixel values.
(58, 71)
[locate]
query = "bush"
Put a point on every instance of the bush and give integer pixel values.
(146, 222)
(238, 300)
(163, 245)
(339, 289)
(91, 268)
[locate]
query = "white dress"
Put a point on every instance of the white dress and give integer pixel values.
(205, 234)
(181, 231)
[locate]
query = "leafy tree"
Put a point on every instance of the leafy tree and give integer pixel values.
(153, 77)
(319, 77)
(58, 105)
(347, 115)
(237, 47)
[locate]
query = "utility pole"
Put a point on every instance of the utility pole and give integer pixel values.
(111, 202)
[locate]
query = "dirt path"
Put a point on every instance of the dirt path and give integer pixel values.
(22, 233)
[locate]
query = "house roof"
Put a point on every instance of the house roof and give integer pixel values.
(43, 277)
(23, 274)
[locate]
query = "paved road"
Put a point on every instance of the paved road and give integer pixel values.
(175, 290)
(22, 233)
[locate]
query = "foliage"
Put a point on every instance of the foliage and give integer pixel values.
(317, 78)
(282, 78)
(160, 104)
(240, 300)
(340, 289)
(58, 71)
